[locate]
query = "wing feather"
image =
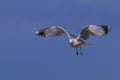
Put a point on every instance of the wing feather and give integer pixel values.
(95, 30)
(52, 31)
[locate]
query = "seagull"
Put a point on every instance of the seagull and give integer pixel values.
(75, 41)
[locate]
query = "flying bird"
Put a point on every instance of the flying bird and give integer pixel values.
(75, 41)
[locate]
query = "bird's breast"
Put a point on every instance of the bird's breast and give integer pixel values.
(75, 44)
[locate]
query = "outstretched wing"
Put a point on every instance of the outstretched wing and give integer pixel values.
(52, 31)
(95, 30)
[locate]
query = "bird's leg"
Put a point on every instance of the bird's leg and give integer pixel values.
(81, 50)
(77, 51)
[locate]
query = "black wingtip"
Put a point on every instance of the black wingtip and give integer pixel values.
(106, 28)
(40, 33)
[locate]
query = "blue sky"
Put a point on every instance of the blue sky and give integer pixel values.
(25, 56)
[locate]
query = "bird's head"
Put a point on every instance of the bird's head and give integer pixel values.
(71, 42)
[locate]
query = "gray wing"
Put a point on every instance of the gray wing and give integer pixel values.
(95, 30)
(52, 31)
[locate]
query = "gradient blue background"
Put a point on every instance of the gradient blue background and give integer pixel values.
(25, 56)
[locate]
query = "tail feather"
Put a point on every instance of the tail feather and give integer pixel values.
(85, 44)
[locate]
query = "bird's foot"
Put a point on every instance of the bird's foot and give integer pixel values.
(81, 53)
(81, 50)
(77, 53)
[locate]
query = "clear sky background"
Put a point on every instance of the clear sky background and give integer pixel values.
(25, 56)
